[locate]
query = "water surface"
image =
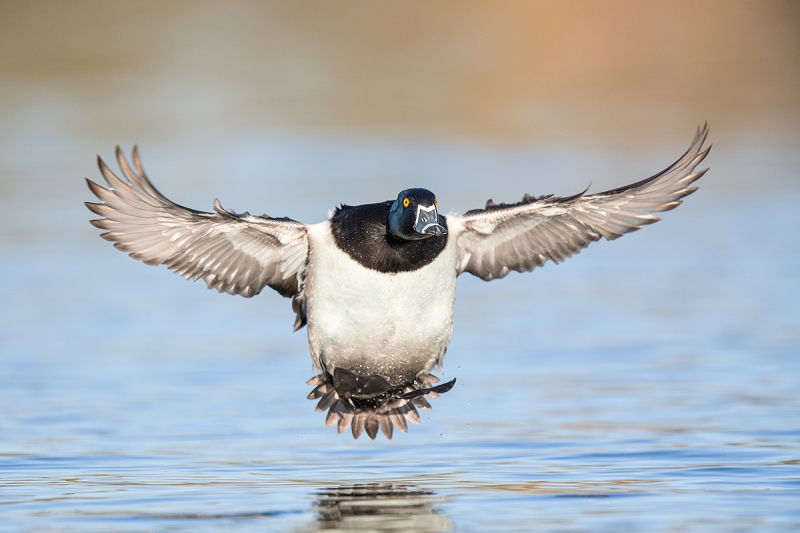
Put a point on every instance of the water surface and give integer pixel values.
(649, 383)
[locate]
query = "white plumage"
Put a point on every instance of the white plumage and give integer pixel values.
(393, 325)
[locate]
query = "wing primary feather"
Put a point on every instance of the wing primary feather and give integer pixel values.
(518, 237)
(238, 254)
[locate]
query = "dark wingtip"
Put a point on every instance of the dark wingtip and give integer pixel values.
(574, 196)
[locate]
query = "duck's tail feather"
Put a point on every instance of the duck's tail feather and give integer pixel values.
(369, 403)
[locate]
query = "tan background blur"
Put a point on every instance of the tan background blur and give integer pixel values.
(483, 71)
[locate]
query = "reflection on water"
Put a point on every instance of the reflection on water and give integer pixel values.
(380, 507)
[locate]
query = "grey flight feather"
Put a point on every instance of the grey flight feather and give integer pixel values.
(500, 238)
(233, 253)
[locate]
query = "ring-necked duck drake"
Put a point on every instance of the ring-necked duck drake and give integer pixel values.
(375, 283)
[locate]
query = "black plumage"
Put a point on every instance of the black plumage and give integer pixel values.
(361, 232)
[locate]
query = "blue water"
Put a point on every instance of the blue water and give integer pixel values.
(649, 384)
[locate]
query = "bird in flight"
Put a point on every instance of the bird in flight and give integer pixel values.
(374, 284)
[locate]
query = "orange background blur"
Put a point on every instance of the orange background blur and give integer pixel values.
(489, 71)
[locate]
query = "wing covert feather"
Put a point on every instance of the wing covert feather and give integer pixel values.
(503, 237)
(233, 253)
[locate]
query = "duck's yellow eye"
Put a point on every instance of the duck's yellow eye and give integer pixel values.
(406, 202)
(435, 201)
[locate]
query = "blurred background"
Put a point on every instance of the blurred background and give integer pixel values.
(680, 343)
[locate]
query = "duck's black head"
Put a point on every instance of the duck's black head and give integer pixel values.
(413, 215)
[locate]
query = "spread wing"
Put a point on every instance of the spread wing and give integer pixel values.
(505, 237)
(233, 253)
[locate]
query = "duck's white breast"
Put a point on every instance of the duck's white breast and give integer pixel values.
(368, 322)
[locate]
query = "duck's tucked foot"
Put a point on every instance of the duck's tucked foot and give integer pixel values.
(371, 403)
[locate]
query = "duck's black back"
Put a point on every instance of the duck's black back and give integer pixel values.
(362, 233)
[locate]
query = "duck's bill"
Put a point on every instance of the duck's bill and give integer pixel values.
(432, 229)
(427, 222)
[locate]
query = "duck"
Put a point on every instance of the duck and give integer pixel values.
(375, 284)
